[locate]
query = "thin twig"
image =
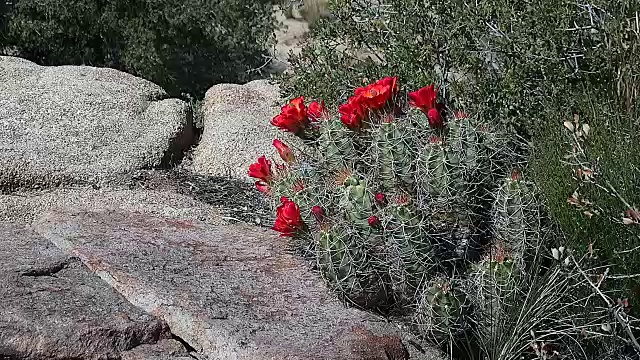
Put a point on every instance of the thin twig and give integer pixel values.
(610, 304)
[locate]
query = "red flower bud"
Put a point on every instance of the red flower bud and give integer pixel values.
(381, 198)
(316, 110)
(425, 99)
(633, 214)
(388, 119)
(318, 213)
(516, 175)
(261, 169)
(402, 200)
(263, 188)
(298, 186)
(460, 115)
(435, 119)
(285, 152)
(374, 221)
(288, 220)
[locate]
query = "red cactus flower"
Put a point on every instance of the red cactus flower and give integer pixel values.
(425, 99)
(374, 221)
(318, 213)
(285, 152)
(381, 198)
(516, 175)
(435, 119)
(288, 219)
(293, 116)
(316, 110)
(376, 96)
(261, 169)
(353, 112)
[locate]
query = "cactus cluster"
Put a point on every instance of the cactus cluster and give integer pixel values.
(409, 207)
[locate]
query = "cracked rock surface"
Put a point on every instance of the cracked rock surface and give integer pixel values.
(64, 125)
(52, 307)
(231, 292)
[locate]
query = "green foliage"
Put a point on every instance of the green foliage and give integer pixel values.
(184, 46)
(599, 166)
(519, 62)
(529, 65)
(593, 182)
(4, 11)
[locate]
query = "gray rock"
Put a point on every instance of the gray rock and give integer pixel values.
(237, 128)
(51, 307)
(25, 207)
(163, 350)
(231, 292)
(170, 193)
(289, 40)
(80, 124)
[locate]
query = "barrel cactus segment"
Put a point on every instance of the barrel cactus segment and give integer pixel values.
(440, 311)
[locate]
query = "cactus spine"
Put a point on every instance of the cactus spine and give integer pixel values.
(439, 313)
(347, 267)
(336, 146)
(356, 203)
(410, 254)
(394, 155)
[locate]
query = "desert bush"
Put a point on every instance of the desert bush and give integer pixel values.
(591, 173)
(527, 65)
(425, 213)
(184, 46)
(518, 62)
(4, 12)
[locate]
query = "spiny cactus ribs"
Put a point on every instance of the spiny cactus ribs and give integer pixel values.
(393, 198)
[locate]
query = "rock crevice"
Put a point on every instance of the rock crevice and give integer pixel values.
(48, 270)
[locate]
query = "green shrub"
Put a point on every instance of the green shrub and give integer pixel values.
(4, 11)
(592, 185)
(530, 65)
(516, 61)
(184, 46)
